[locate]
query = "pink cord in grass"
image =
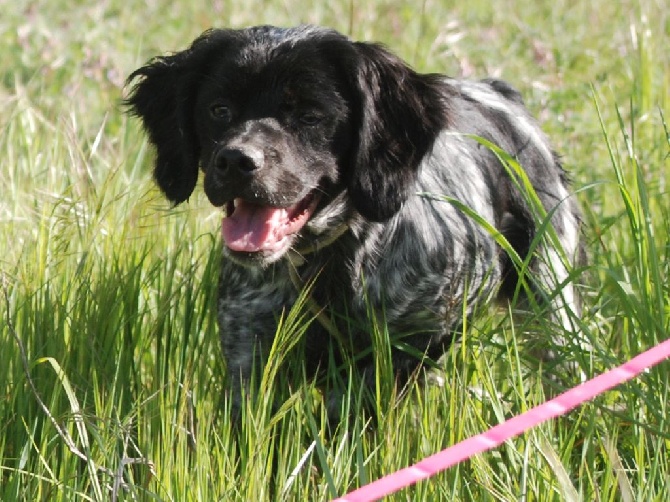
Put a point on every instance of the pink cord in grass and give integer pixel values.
(510, 428)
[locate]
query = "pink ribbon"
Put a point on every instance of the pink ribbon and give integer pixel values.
(510, 428)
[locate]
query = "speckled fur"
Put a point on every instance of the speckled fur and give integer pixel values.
(417, 262)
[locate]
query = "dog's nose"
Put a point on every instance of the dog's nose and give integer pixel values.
(244, 161)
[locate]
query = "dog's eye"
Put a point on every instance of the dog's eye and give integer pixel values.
(310, 119)
(220, 112)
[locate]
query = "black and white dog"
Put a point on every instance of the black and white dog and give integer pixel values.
(320, 151)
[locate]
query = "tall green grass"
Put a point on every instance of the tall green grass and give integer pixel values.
(112, 385)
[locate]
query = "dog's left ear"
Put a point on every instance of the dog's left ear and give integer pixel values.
(163, 96)
(401, 114)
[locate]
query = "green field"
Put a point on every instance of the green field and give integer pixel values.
(111, 377)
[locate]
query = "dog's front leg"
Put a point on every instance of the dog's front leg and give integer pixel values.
(250, 302)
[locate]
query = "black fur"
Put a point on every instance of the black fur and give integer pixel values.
(318, 147)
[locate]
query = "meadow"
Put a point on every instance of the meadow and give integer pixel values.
(112, 385)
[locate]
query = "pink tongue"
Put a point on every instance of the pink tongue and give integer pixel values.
(252, 228)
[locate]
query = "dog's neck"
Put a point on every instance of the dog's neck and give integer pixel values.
(297, 256)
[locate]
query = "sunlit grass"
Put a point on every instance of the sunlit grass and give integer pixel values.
(112, 385)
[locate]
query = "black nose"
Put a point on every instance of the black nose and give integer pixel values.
(244, 161)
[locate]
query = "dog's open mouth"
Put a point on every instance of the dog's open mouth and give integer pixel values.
(249, 227)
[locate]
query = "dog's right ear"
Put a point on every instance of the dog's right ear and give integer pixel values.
(400, 113)
(163, 96)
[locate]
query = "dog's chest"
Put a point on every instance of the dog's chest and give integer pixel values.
(412, 287)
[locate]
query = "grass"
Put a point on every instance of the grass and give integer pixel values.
(111, 380)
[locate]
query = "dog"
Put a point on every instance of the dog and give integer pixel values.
(339, 166)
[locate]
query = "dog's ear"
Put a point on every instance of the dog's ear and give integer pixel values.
(401, 114)
(163, 96)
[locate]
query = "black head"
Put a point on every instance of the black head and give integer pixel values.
(285, 119)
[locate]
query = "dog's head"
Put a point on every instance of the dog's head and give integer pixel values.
(282, 121)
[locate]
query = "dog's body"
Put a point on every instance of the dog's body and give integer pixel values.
(319, 149)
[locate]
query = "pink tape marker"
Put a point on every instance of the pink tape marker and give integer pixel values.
(510, 428)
